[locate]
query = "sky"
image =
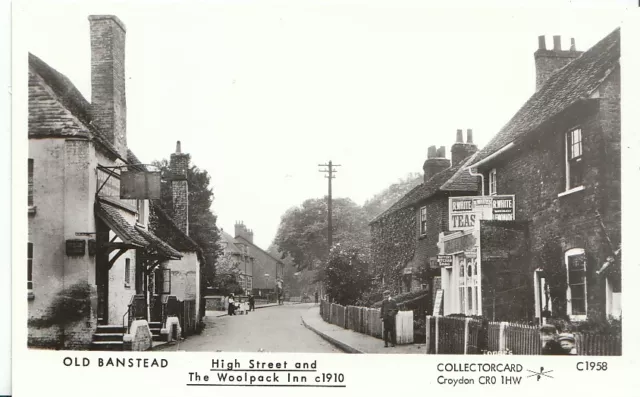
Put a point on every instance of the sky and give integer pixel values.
(259, 94)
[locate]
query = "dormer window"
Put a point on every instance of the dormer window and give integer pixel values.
(574, 161)
(493, 186)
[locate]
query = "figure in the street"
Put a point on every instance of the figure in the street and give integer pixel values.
(388, 315)
(252, 303)
(549, 340)
(568, 343)
(232, 305)
(316, 296)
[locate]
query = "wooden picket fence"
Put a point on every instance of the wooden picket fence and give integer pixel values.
(454, 335)
(367, 321)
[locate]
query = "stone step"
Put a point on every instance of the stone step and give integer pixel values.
(107, 345)
(158, 338)
(110, 329)
(104, 336)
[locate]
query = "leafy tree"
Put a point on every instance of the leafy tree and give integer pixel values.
(302, 234)
(346, 276)
(381, 201)
(227, 271)
(202, 222)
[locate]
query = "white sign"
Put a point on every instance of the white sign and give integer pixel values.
(465, 212)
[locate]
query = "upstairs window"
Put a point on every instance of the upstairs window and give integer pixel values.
(141, 211)
(574, 160)
(30, 194)
(576, 283)
(492, 182)
(423, 221)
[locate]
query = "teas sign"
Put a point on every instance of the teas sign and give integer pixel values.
(465, 212)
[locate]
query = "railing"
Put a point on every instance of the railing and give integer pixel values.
(453, 335)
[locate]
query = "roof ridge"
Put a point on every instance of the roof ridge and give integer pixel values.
(250, 243)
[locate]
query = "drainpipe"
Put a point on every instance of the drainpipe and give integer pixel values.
(481, 178)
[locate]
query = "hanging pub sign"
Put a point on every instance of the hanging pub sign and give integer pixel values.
(445, 260)
(465, 212)
(139, 185)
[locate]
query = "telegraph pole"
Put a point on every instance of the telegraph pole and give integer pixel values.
(329, 171)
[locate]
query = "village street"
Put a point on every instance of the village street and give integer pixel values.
(271, 329)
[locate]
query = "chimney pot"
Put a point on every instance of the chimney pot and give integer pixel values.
(459, 136)
(469, 135)
(442, 152)
(542, 44)
(557, 46)
(431, 152)
(573, 44)
(178, 148)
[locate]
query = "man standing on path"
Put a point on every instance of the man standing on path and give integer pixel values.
(252, 303)
(388, 315)
(316, 297)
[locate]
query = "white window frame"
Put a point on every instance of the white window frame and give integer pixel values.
(127, 273)
(141, 212)
(423, 220)
(567, 160)
(493, 184)
(30, 294)
(567, 255)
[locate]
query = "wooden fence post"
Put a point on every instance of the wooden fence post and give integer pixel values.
(437, 330)
(466, 334)
(502, 338)
(427, 333)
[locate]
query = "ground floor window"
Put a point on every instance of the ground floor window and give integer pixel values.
(576, 263)
(468, 283)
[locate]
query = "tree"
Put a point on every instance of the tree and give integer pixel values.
(346, 276)
(302, 234)
(202, 222)
(381, 201)
(227, 271)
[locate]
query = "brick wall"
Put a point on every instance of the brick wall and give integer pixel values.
(108, 99)
(535, 172)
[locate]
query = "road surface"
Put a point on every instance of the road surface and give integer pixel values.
(270, 329)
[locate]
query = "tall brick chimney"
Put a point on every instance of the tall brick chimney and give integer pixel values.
(461, 150)
(436, 162)
(548, 61)
(108, 99)
(242, 231)
(179, 164)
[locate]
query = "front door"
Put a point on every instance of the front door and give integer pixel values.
(102, 272)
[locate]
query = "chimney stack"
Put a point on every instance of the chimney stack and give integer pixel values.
(108, 98)
(461, 150)
(435, 163)
(244, 232)
(179, 165)
(549, 61)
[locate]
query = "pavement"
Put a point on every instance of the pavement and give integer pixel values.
(350, 341)
(276, 328)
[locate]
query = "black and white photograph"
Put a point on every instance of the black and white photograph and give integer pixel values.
(322, 178)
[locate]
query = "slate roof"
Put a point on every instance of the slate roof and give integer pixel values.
(574, 82)
(230, 243)
(454, 178)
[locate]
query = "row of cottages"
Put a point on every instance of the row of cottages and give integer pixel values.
(405, 236)
(98, 274)
(541, 235)
(260, 272)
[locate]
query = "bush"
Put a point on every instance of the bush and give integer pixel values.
(403, 298)
(69, 306)
(596, 326)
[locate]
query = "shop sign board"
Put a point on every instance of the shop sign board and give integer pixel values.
(466, 212)
(445, 260)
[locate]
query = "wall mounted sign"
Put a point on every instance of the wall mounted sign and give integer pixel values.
(75, 247)
(465, 212)
(92, 247)
(139, 185)
(445, 260)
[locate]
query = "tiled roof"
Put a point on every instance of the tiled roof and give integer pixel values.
(116, 222)
(574, 82)
(56, 107)
(160, 246)
(230, 243)
(174, 235)
(454, 178)
(250, 244)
